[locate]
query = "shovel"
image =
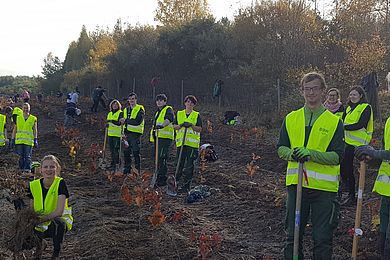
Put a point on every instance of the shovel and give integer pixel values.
(119, 164)
(154, 179)
(357, 231)
(102, 161)
(171, 181)
(298, 201)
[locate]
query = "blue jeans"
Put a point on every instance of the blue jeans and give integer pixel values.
(25, 152)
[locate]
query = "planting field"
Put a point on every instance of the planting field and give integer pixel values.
(118, 217)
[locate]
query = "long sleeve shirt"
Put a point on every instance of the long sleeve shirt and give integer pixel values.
(335, 151)
(363, 120)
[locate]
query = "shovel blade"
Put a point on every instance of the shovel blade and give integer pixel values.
(171, 186)
(102, 163)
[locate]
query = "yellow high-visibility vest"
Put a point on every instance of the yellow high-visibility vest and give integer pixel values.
(192, 137)
(2, 129)
(167, 132)
(24, 130)
(382, 183)
(134, 112)
(114, 130)
(50, 204)
(362, 136)
(17, 111)
(320, 176)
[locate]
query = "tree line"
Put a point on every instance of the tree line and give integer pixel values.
(264, 42)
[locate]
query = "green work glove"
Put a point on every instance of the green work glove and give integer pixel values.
(301, 154)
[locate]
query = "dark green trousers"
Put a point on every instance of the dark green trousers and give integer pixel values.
(384, 226)
(134, 149)
(322, 208)
(163, 155)
(114, 143)
(186, 167)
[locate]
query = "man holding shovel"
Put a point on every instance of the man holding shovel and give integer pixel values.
(163, 122)
(312, 136)
(382, 187)
(188, 121)
(133, 119)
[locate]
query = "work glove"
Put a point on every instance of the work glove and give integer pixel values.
(301, 154)
(186, 124)
(36, 142)
(159, 126)
(362, 152)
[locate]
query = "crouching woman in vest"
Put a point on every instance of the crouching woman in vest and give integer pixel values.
(381, 186)
(50, 200)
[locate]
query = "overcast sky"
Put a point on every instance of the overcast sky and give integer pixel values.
(29, 29)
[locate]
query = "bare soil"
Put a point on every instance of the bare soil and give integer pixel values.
(246, 212)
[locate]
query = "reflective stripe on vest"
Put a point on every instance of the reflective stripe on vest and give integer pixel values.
(24, 130)
(167, 132)
(382, 183)
(320, 177)
(362, 136)
(114, 130)
(2, 127)
(50, 203)
(192, 137)
(134, 112)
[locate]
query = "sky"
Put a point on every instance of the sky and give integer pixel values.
(30, 29)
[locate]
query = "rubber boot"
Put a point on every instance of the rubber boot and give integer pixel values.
(386, 252)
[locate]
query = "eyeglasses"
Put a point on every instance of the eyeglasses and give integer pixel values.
(133, 98)
(309, 89)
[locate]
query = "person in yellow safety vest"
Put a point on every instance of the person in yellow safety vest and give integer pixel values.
(163, 122)
(358, 127)
(49, 198)
(187, 119)
(25, 137)
(333, 103)
(13, 113)
(133, 119)
(381, 186)
(114, 131)
(3, 130)
(312, 133)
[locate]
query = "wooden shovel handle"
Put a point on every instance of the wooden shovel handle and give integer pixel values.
(358, 216)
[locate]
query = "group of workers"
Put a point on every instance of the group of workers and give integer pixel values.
(49, 194)
(127, 126)
(325, 138)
